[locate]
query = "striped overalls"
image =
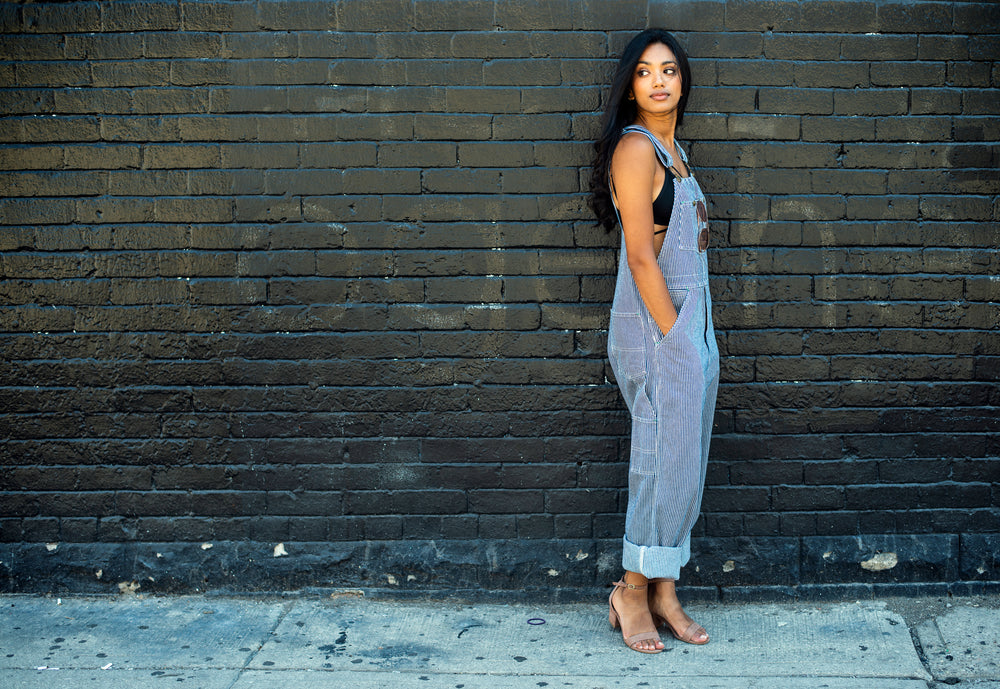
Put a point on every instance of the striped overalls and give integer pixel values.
(669, 383)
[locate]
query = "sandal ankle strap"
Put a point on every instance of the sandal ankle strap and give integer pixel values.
(623, 584)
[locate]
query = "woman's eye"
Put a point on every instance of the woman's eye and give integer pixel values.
(642, 72)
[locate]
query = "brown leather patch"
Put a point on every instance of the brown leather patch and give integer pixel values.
(703, 221)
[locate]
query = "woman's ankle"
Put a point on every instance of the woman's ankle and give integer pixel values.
(634, 579)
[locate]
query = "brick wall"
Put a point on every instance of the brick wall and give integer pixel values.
(321, 274)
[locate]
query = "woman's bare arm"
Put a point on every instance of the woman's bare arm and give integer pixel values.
(633, 168)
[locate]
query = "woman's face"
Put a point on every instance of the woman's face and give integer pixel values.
(656, 82)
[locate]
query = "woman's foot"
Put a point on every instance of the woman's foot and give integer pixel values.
(666, 609)
(629, 609)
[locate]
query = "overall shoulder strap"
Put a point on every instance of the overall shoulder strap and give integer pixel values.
(684, 155)
(661, 152)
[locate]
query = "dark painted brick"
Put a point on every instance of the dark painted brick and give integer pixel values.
(943, 47)
(736, 499)
(908, 74)
(973, 18)
(838, 129)
(979, 556)
(506, 501)
(774, 15)
(879, 47)
(76, 17)
(831, 15)
(527, 15)
(793, 498)
(301, 15)
(141, 15)
(918, 17)
(819, 74)
(51, 74)
(31, 47)
(787, 46)
(766, 473)
(213, 15)
(870, 102)
(315, 43)
(431, 15)
(828, 523)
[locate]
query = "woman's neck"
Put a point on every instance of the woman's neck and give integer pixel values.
(662, 126)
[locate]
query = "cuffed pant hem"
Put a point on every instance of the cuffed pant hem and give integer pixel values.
(656, 561)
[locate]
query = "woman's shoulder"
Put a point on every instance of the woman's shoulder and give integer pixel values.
(634, 132)
(635, 145)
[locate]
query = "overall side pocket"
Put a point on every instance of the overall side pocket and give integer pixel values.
(682, 313)
(625, 345)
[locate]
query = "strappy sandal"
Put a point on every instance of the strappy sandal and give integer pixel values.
(613, 619)
(693, 629)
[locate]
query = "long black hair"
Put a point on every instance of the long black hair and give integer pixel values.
(621, 112)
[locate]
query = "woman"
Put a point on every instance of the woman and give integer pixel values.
(661, 342)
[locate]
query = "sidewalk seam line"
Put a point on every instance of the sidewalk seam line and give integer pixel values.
(286, 608)
(918, 647)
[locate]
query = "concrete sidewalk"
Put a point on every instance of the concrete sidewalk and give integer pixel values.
(347, 640)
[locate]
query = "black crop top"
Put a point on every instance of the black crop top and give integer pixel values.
(663, 205)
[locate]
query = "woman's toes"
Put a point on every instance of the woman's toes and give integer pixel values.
(647, 645)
